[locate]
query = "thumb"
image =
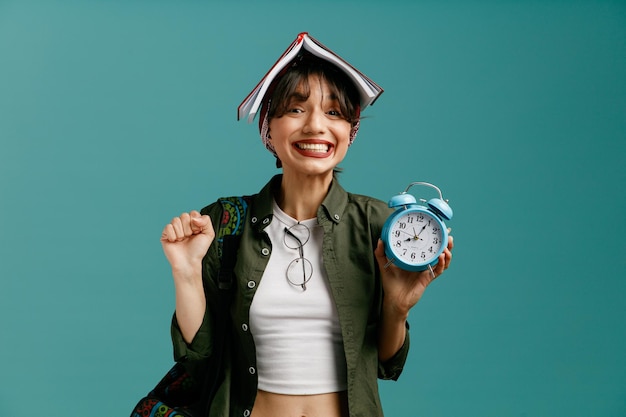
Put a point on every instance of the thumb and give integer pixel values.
(202, 224)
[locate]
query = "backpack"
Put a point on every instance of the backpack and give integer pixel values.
(179, 393)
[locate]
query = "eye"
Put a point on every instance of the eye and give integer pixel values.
(335, 113)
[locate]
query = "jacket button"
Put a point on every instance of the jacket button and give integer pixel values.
(251, 370)
(336, 216)
(244, 327)
(266, 220)
(265, 251)
(253, 220)
(251, 284)
(246, 413)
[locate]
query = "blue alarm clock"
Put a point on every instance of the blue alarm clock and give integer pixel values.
(415, 235)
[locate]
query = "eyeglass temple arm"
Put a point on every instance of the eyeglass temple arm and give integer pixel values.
(300, 250)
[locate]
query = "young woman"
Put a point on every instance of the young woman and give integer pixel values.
(317, 315)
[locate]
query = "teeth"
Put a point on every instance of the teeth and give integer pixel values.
(315, 147)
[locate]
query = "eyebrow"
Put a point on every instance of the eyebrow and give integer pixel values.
(298, 96)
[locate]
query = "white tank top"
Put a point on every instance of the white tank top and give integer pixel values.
(296, 332)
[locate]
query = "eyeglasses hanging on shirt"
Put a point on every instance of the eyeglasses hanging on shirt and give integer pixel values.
(300, 270)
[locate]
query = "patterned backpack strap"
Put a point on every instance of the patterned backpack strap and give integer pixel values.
(228, 237)
(233, 218)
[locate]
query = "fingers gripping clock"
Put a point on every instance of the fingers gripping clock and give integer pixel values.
(415, 235)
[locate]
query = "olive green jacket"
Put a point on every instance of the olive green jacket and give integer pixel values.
(352, 226)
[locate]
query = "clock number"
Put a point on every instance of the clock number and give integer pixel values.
(402, 225)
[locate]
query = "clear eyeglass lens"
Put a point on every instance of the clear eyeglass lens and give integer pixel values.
(295, 232)
(299, 272)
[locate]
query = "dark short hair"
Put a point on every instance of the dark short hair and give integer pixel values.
(299, 73)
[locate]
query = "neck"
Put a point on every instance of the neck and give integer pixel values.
(301, 196)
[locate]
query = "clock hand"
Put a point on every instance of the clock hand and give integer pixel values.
(417, 235)
(406, 233)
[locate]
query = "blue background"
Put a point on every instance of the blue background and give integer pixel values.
(117, 115)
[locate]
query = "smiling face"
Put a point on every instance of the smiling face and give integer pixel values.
(312, 134)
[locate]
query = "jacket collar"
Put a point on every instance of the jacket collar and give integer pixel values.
(332, 207)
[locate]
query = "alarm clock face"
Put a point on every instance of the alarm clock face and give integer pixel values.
(416, 238)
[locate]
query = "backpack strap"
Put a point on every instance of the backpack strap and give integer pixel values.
(229, 236)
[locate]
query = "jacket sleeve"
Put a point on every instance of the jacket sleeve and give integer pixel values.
(392, 368)
(200, 347)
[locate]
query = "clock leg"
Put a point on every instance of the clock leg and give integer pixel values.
(431, 271)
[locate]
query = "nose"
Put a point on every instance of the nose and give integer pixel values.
(315, 122)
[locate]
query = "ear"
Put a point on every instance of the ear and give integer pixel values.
(354, 131)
